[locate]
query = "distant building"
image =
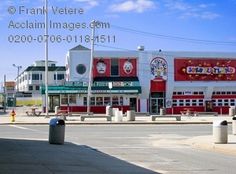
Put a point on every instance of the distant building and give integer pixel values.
(33, 77)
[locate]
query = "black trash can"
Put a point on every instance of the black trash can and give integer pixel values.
(56, 131)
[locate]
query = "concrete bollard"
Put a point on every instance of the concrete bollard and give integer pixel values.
(114, 111)
(118, 116)
(234, 125)
(231, 110)
(162, 111)
(130, 115)
(108, 111)
(220, 132)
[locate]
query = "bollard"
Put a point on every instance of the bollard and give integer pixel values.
(130, 115)
(162, 111)
(118, 116)
(234, 125)
(220, 132)
(231, 110)
(108, 111)
(56, 131)
(56, 110)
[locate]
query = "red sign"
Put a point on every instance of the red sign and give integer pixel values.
(128, 67)
(189, 69)
(101, 67)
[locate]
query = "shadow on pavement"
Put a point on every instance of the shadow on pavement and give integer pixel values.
(33, 156)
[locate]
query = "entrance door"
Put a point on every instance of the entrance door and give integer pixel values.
(156, 104)
(208, 106)
(54, 100)
(133, 104)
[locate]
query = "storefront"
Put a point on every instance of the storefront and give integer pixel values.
(147, 81)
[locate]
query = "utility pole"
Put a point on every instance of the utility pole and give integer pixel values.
(18, 74)
(91, 67)
(4, 91)
(46, 57)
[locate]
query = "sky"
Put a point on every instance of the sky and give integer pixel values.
(169, 25)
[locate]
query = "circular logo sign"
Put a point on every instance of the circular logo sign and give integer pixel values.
(128, 67)
(101, 67)
(80, 69)
(159, 68)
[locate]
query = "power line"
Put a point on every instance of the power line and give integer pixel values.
(170, 37)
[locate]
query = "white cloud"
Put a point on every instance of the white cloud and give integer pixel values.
(138, 6)
(88, 3)
(187, 10)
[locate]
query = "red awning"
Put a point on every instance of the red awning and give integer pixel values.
(158, 85)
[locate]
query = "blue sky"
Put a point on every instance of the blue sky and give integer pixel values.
(176, 25)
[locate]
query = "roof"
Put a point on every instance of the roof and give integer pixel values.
(80, 48)
(42, 68)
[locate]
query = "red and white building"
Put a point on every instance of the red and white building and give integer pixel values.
(149, 80)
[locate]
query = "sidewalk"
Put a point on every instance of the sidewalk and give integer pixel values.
(207, 143)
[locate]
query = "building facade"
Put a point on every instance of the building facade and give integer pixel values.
(146, 81)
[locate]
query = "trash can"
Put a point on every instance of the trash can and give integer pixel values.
(56, 131)
(130, 115)
(108, 111)
(220, 132)
(231, 110)
(234, 125)
(162, 111)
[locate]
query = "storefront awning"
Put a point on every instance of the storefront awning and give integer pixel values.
(125, 85)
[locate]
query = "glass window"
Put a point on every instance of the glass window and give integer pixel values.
(187, 102)
(85, 101)
(194, 102)
(200, 102)
(228, 92)
(195, 93)
(37, 87)
(99, 101)
(107, 100)
(234, 92)
(35, 76)
(174, 103)
(226, 102)
(219, 102)
(174, 93)
(115, 100)
(121, 100)
(114, 67)
(200, 93)
(72, 99)
(60, 76)
(92, 101)
(181, 102)
(30, 88)
(64, 99)
(232, 102)
(179, 93)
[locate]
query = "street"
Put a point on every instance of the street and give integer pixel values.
(159, 148)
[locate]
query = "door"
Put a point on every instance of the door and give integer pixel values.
(133, 104)
(156, 104)
(208, 106)
(54, 100)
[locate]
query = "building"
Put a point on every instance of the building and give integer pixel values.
(147, 81)
(33, 77)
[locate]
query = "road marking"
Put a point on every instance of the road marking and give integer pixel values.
(24, 128)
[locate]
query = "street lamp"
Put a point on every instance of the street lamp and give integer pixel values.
(18, 73)
(110, 87)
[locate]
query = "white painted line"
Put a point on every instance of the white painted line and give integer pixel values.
(20, 127)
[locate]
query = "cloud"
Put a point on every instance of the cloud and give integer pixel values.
(88, 3)
(138, 6)
(187, 10)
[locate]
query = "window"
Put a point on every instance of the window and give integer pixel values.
(64, 99)
(219, 102)
(60, 76)
(232, 102)
(200, 102)
(92, 101)
(35, 76)
(30, 88)
(226, 102)
(99, 101)
(115, 100)
(107, 100)
(179, 93)
(37, 87)
(194, 102)
(234, 92)
(181, 102)
(121, 101)
(228, 92)
(72, 99)
(174, 103)
(114, 67)
(214, 102)
(85, 101)
(174, 93)
(187, 102)
(200, 93)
